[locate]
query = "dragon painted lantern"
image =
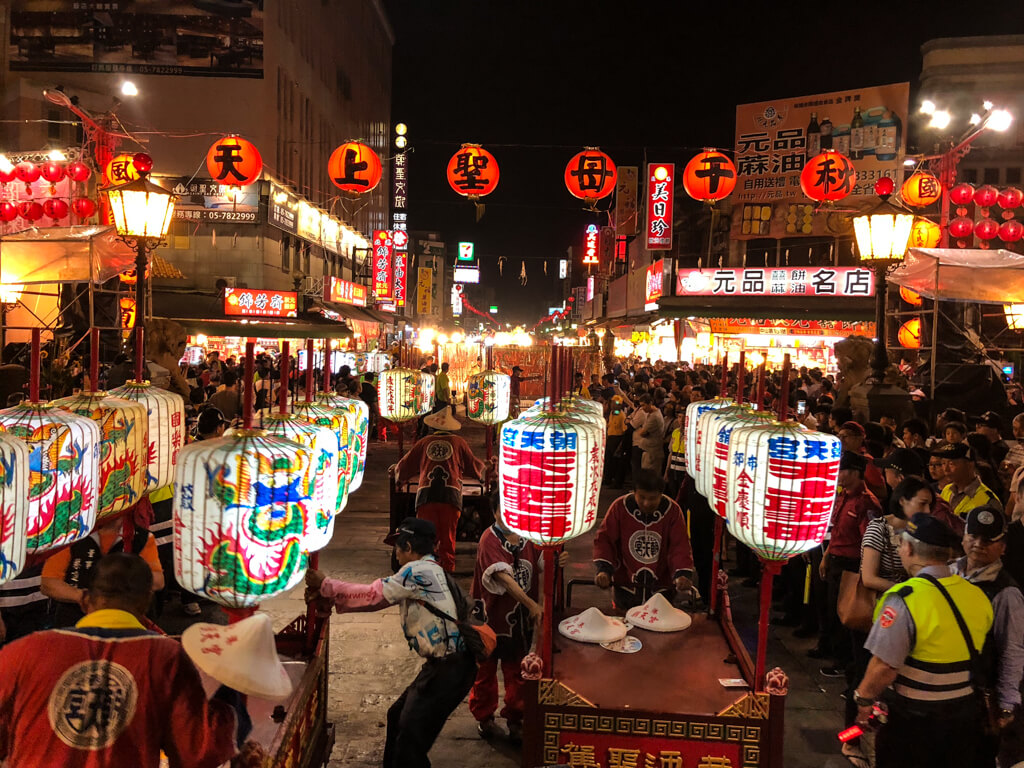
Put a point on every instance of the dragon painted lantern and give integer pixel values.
(14, 507)
(359, 432)
(166, 421)
(405, 394)
(488, 397)
(338, 424)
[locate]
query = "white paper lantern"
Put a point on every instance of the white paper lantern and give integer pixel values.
(323, 442)
(64, 472)
(240, 509)
(166, 420)
(488, 395)
(715, 446)
(690, 422)
(14, 507)
(359, 432)
(708, 424)
(338, 424)
(550, 467)
(782, 481)
(405, 394)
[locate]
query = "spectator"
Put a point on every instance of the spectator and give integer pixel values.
(990, 425)
(955, 432)
(915, 433)
(965, 491)
(227, 398)
(652, 436)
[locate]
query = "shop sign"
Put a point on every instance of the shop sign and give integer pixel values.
(467, 275)
(465, 252)
(399, 191)
(256, 303)
(456, 299)
(625, 201)
(607, 249)
(281, 209)
(383, 264)
(344, 292)
(590, 244)
(563, 269)
(401, 281)
(660, 194)
(833, 282)
(578, 294)
(206, 200)
(424, 290)
(292, 214)
(590, 288)
(655, 287)
(777, 327)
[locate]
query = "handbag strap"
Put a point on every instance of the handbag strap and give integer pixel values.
(959, 617)
(437, 612)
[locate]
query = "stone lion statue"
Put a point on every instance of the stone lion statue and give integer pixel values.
(852, 356)
(165, 344)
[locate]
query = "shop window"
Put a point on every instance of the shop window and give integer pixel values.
(991, 176)
(969, 175)
(1013, 175)
(286, 262)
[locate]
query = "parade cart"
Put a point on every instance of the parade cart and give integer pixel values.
(477, 509)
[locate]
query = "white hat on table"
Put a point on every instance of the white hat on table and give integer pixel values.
(658, 615)
(592, 626)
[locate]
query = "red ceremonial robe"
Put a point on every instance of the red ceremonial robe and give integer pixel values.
(495, 555)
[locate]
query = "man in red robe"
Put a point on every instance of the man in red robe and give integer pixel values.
(642, 546)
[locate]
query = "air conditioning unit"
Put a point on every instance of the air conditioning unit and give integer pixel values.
(225, 281)
(313, 286)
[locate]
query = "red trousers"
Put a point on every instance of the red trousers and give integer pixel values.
(445, 518)
(483, 698)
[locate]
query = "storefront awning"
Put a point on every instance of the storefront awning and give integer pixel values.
(973, 274)
(763, 308)
(198, 313)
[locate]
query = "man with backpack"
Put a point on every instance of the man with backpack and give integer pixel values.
(434, 614)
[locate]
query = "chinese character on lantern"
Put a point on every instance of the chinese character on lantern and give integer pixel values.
(473, 171)
(709, 176)
(590, 175)
(828, 177)
(355, 168)
(234, 161)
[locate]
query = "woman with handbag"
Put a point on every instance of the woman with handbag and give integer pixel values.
(880, 566)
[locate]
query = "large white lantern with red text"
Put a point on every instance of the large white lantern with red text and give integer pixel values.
(549, 476)
(166, 420)
(488, 395)
(241, 505)
(405, 394)
(782, 481)
(694, 437)
(14, 509)
(124, 448)
(64, 472)
(358, 414)
(715, 447)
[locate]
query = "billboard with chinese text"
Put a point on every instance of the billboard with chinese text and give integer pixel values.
(247, 302)
(344, 292)
(777, 327)
(780, 281)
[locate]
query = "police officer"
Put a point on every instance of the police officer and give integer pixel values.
(984, 544)
(928, 634)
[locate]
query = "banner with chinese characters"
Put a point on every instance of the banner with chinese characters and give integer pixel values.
(775, 327)
(591, 237)
(401, 282)
(609, 750)
(775, 139)
(206, 200)
(782, 281)
(383, 264)
(248, 302)
(625, 201)
(655, 286)
(660, 186)
(424, 290)
(399, 191)
(344, 292)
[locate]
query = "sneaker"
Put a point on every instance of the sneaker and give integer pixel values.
(515, 733)
(192, 609)
(834, 671)
(488, 729)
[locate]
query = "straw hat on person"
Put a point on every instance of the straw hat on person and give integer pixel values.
(658, 615)
(241, 656)
(443, 421)
(592, 626)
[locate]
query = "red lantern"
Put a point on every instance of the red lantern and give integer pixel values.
(121, 170)
(590, 175)
(84, 207)
(27, 172)
(1010, 198)
(8, 211)
(52, 171)
(7, 176)
(234, 161)
(78, 171)
(911, 297)
(986, 229)
(909, 334)
(828, 177)
(709, 176)
(885, 186)
(925, 234)
(921, 189)
(961, 194)
(1011, 231)
(961, 227)
(473, 171)
(30, 210)
(986, 196)
(143, 163)
(354, 168)
(55, 208)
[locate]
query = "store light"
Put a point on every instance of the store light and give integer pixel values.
(883, 235)
(128, 88)
(1014, 316)
(927, 107)
(940, 119)
(141, 209)
(987, 105)
(10, 293)
(1000, 120)
(57, 156)
(5, 164)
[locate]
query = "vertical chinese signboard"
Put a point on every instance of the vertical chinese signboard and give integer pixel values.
(424, 291)
(775, 139)
(655, 287)
(399, 191)
(660, 190)
(591, 238)
(383, 264)
(400, 278)
(625, 201)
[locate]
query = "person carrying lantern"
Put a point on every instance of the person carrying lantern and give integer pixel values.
(642, 545)
(441, 461)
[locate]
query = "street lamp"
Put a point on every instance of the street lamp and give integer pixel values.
(142, 214)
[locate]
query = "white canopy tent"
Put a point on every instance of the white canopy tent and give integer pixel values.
(963, 274)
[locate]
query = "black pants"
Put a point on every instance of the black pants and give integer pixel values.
(840, 641)
(702, 539)
(22, 620)
(912, 741)
(416, 719)
(615, 461)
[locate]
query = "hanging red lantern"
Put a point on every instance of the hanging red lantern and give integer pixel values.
(234, 161)
(473, 171)
(911, 297)
(52, 171)
(885, 186)
(355, 168)
(8, 211)
(709, 176)
(590, 175)
(828, 177)
(961, 194)
(143, 162)
(925, 234)
(27, 172)
(986, 196)
(1010, 198)
(78, 171)
(909, 334)
(30, 210)
(55, 208)
(6, 177)
(986, 229)
(961, 227)
(120, 170)
(1011, 231)
(921, 189)
(84, 207)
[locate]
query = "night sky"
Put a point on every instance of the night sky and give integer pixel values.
(534, 82)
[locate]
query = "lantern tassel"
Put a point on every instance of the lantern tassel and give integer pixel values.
(480, 210)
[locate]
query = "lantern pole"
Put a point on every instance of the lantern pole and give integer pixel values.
(33, 381)
(140, 354)
(741, 377)
(250, 365)
(309, 370)
(94, 359)
(327, 372)
(761, 373)
(716, 546)
(784, 390)
(549, 609)
(724, 389)
(282, 390)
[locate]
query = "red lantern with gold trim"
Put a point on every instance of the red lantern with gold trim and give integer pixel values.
(913, 298)
(234, 161)
(55, 208)
(909, 334)
(590, 175)
(354, 168)
(828, 177)
(52, 171)
(925, 234)
(709, 176)
(473, 171)
(986, 196)
(78, 171)
(921, 189)
(986, 229)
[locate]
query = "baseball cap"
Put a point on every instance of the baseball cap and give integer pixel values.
(954, 451)
(853, 426)
(209, 419)
(411, 526)
(990, 419)
(931, 530)
(986, 522)
(903, 459)
(851, 460)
